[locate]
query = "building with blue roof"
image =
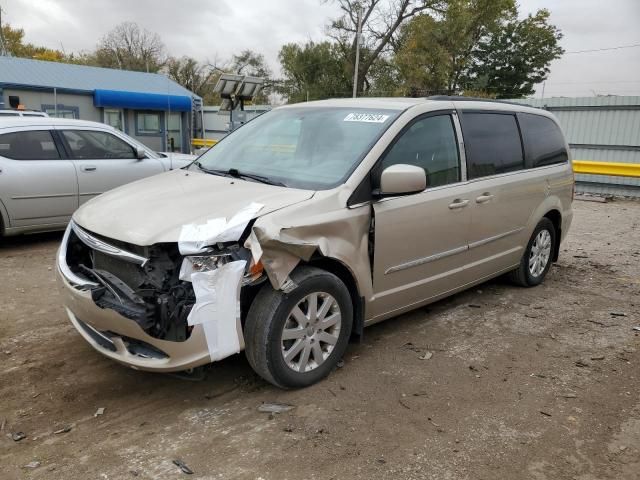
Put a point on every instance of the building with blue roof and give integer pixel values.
(147, 106)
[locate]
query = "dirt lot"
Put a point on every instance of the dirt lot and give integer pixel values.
(523, 383)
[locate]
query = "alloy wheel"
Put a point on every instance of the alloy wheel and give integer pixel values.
(540, 253)
(311, 332)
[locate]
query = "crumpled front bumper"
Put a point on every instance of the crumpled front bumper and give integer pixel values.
(120, 338)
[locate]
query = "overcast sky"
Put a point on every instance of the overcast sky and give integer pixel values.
(215, 29)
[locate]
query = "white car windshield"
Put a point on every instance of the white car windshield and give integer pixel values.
(314, 148)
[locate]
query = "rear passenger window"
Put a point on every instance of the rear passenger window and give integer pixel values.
(492, 143)
(429, 143)
(89, 144)
(28, 145)
(543, 140)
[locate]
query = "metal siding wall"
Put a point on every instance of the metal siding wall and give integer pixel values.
(600, 127)
(581, 102)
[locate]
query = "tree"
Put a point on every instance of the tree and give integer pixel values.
(381, 21)
(477, 45)
(253, 64)
(383, 79)
(192, 75)
(421, 60)
(248, 62)
(517, 56)
(129, 47)
(201, 78)
(435, 54)
(312, 71)
(13, 39)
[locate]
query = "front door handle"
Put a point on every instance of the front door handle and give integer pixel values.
(458, 203)
(88, 168)
(484, 198)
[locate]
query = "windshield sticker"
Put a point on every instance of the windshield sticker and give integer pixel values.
(366, 117)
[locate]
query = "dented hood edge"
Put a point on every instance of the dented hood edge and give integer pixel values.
(155, 209)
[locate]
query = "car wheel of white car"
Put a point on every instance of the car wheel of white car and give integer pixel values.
(293, 340)
(537, 257)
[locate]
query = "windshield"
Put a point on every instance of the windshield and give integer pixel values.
(313, 148)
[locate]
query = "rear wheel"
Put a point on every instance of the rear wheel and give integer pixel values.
(536, 260)
(294, 340)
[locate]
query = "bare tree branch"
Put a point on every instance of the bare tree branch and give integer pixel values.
(130, 47)
(381, 19)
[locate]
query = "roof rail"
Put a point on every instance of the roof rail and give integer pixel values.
(20, 110)
(460, 98)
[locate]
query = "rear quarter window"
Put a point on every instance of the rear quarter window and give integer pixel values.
(28, 145)
(492, 143)
(544, 143)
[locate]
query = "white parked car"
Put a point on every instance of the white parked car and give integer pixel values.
(51, 166)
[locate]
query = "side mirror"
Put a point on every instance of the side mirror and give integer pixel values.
(402, 179)
(140, 153)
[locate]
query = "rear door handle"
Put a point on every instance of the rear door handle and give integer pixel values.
(484, 198)
(458, 203)
(88, 168)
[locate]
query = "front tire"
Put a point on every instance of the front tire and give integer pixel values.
(537, 257)
(294, 340)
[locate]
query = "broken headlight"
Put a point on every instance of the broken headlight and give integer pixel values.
(205, 263)
(208, 262)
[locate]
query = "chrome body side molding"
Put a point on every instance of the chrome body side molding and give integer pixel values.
(422, 261)
(484, 241)
(448, 253)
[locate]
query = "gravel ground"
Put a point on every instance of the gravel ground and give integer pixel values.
(535, 383)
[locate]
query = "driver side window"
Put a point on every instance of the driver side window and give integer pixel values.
(94, 145)
(429, 143)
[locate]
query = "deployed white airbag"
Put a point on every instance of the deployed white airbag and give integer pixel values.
(217, 308)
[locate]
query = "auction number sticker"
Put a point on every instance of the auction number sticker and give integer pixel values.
(366, 117)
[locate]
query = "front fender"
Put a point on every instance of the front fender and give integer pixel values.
(5, 221)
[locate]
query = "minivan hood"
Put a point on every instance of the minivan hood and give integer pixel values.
(154, 209)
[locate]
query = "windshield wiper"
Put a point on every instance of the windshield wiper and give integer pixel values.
(221, 173)
(234, 173)
(258, 178)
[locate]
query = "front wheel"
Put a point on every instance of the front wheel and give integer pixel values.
(294, 340)
(536, 260)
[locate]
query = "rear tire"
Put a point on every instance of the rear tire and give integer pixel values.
(295, 339)
(537, 257)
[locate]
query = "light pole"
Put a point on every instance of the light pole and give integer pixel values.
(358, 35)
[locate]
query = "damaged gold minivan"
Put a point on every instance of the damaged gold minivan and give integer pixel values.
(311, 222)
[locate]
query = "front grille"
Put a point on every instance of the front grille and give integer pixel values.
(139, 283)
(129, 247)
